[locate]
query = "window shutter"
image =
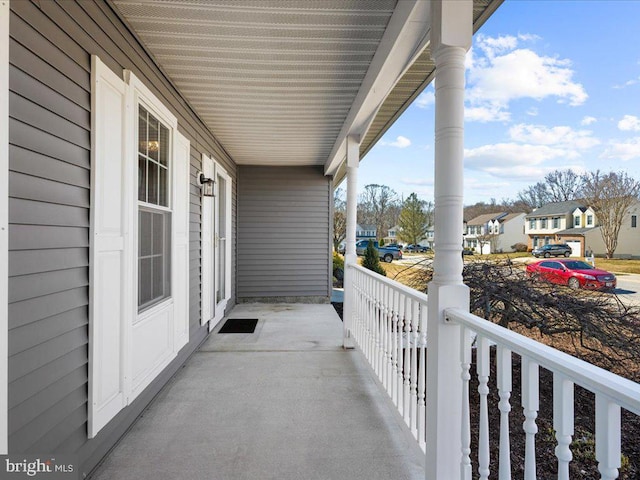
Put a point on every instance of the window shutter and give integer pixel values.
(109, 233)
(180, 272)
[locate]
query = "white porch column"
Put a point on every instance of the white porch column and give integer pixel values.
(350, 257)
(451, 31)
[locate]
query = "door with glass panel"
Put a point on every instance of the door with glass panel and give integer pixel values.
(222, 241)
(216, 244)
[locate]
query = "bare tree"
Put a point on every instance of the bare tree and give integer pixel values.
(487, 239)
(378, 206)
(610, 196)
(534, 196)
(563, 185)
(339, 218)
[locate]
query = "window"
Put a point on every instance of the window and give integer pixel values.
(576, 221)
(634, 221)
(139, 306)
(589, 220)
(532, 224)
(543, 223)
(556, 222)
(154, 216)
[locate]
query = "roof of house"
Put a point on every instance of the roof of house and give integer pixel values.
(576, 231)
(487, 217)
(510, 216)
(556, 208)
(363, 226)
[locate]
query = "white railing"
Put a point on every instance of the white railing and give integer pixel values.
(612, 393)
(389, 327)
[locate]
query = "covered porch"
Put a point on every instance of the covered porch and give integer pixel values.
(284, 402)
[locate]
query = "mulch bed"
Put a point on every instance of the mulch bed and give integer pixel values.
(583, 466)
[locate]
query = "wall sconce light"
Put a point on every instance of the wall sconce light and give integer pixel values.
(206, 184)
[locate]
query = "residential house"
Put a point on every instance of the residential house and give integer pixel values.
(481, 233)
(587, 236)
(507, 231)
(392, 235)
(162, 162)
(366, 232)
(542, 225)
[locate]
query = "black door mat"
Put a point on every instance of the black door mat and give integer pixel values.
(239, 325)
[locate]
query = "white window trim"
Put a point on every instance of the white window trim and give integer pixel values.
(4, 222)
(126, 358)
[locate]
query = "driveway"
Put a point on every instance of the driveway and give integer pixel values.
(628, 288)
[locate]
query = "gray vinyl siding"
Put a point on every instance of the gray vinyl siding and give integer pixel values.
(49, 197)
(283, 240)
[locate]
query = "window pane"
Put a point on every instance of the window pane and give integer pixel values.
(158, 277)
(142, 179)
(145, 220)
(158, 234)
(164, 187)
(152, 184)
(142, 130)
(164, 145)
(154, 140)
(144, 284)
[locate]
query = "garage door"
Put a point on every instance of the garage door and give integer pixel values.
(576, 248)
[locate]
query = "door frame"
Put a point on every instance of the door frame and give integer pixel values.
(213, 311)
(220, 307)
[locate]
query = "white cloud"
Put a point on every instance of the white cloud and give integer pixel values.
(422, 182)
(492, 46)
(561, 136)
(510, 154)
(400, 142)
(624, 150)
(588, 120)
(426, 99)
(501, 73)
(629, 123)
(524, 74)
(490, 113)
(628, 83)
(532, 112)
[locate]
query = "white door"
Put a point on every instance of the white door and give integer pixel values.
(576, 248)
(222, 242)
(216, 244)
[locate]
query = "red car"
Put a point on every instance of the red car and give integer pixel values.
(574, 273)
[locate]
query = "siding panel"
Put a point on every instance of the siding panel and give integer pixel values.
(283, 233)
(50, 52)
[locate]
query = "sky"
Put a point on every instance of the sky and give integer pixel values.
(549, 85)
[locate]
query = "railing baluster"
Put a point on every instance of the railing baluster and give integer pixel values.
(563, 422)
(422, 378)
(394, 347)
(414, 367)
(504, 392)
(389, 328)
(465, 363)
(482, 368)
(401, 319)
(407, 361)
(530, 406)
(607, 437)
(383, 335)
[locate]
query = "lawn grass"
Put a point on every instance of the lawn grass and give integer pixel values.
(618, 265)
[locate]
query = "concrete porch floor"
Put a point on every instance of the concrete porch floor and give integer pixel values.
(286, 402)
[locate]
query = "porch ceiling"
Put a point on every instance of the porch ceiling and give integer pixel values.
(280, 82)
